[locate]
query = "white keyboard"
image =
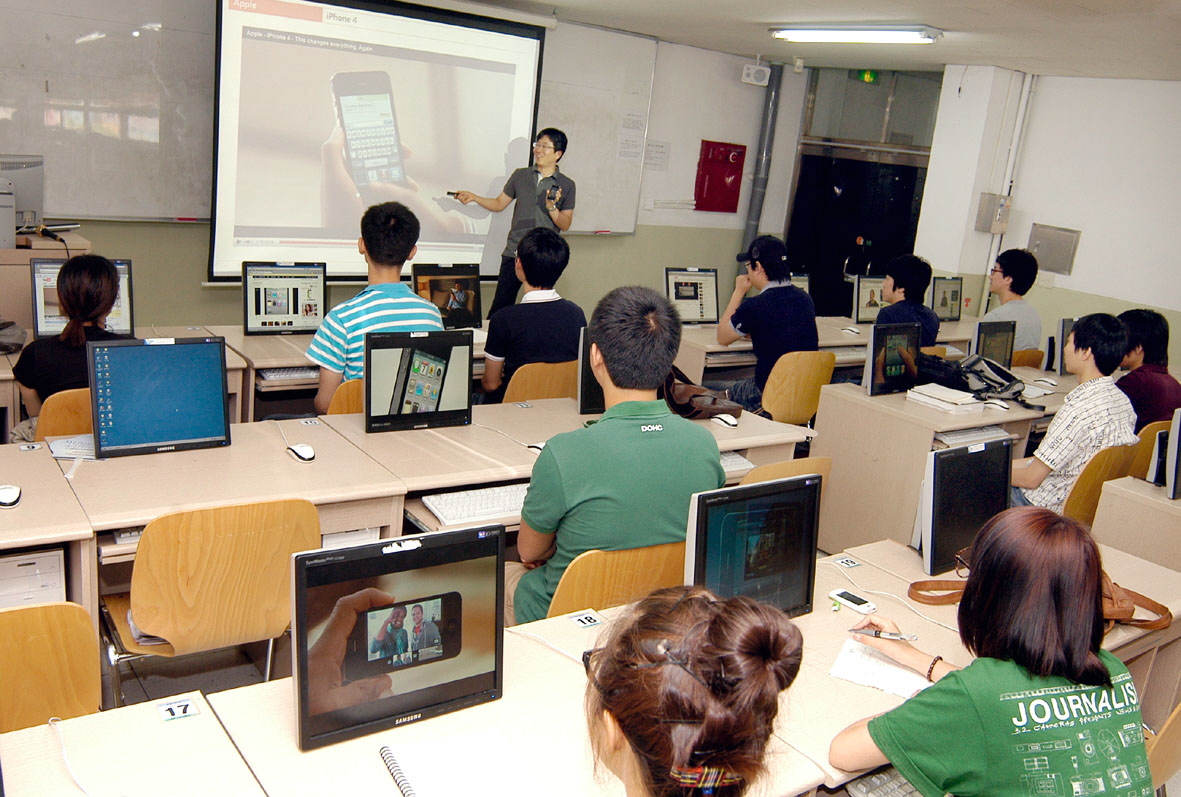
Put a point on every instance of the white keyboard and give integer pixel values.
(886, 782)
(77, 447)
(977, 434)
(308, 373)
(732, 461)
(476, 506)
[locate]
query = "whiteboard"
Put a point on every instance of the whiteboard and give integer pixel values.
(596, 87)
(118, 97)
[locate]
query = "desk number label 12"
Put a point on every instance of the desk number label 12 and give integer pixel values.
(177, 709)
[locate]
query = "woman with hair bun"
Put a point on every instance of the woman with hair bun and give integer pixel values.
(1042, 709)
(683, 696)
(87, 287)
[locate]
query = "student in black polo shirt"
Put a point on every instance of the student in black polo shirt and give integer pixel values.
(544, 327)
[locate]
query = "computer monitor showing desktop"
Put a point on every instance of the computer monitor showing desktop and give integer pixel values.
(962, 487)
(161, 394)
(418, 380)
(454, 289)
(757, 540)
(867, 298)
(282, 298)
(945, 297)
(892, 362)
(994, 340)
(48, 319)
(694, 292)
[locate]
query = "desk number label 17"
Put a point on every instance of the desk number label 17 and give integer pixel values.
(177, 709)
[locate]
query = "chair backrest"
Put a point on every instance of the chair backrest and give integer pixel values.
(792, 467)
(1164, 749)
(349, 398)
(65, 413)
(602, 579)
(1083, 499)
(542, 381)
(1031, 358)
(1142, 457)
(792, 393)
(50, 663)
(935, 351)
(210, 578)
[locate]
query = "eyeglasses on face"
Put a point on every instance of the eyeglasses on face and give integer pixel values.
(544, 146)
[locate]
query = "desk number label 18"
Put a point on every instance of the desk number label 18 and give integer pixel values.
(177, 709)
(587, 619)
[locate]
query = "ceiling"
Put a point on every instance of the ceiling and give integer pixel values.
(1082, 38)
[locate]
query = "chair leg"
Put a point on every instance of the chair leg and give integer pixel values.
(116, 681)
(270, 660)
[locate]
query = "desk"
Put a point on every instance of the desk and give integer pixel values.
(1136, 516)
(879, 449)
(130, 750)
(533, 741)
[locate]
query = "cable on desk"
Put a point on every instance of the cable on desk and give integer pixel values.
(70, 473)
(500, 432)
(546, 642)
(53, 723)
(906, 604)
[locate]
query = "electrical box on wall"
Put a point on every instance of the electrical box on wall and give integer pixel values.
(1054, 247)
(992, 215)
(719, 176)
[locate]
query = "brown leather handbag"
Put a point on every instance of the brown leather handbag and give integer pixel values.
(690, 400)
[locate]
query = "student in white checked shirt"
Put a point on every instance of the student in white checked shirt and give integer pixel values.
(1094, 416)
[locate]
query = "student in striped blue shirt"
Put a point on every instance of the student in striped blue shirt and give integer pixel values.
(389, 232)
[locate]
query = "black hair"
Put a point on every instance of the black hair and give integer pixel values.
(1020, 266)
(638, 333)
(1149, 329)
(770, 253)
(912, 274)
(543, 255)
(389, 230)
(556, 137)
(1106, 337)
(87, 286)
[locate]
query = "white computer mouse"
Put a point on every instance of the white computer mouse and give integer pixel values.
(302, 451)
(1046, 381)
(10, 496)
(725, 419)
(1000, 405)
(852, 330)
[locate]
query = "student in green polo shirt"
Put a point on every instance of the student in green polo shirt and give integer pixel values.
(625, 481)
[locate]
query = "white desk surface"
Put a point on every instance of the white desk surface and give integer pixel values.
(1138, 517)
(533, 741)
(898, 406)
(130, 491)
(48, 511)
(265, 351)
(129, 751)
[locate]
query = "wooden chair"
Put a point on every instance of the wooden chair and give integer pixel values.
(1083, 499)
(50, 663)
(65, 413)
(348, 399)
(210, 578)
(602, 579)
(1164, 751)
(1031, 358)
(792, 393)
(792, 467)
(543, 380)
(1142, 457)
(935, 351)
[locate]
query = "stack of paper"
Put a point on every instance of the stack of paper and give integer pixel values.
(944, 398)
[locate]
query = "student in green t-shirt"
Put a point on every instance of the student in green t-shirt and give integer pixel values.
(1042, 710)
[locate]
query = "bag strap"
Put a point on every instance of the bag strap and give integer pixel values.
(936, 592)
(1163, 619)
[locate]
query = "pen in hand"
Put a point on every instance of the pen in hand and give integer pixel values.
(884, 634)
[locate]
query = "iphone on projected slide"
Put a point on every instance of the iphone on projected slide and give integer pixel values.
(365, 112)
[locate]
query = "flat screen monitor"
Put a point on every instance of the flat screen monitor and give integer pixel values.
(282, 298)
(423, 627)
(945, 297)
(455, 290)
(892, 362)
(590, 393)
(694, 292)
(1173, 458)
(962, 488)
(48, 319)
(158, 394)
(994, 340)
(757, 540)
(867, 298)
(1065, 325)
(418, 380)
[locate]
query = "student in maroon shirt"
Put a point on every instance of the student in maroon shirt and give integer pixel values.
(1153, 391)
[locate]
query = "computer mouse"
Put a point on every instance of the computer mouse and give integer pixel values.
(302, 451)
(852, 330)
(725, 419)
(1000, 405)
(10, 496)
(1046, 381)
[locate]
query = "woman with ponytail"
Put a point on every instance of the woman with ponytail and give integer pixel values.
(682, 698)
(87, 287)
(1042, 709)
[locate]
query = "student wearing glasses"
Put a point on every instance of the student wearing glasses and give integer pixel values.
(1010, 279)
(545, 198)
(682, 698)
(1042, 709)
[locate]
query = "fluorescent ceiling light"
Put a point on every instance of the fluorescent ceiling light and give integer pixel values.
(920, 34)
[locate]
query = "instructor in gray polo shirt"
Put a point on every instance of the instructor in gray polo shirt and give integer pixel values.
(545, 198)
